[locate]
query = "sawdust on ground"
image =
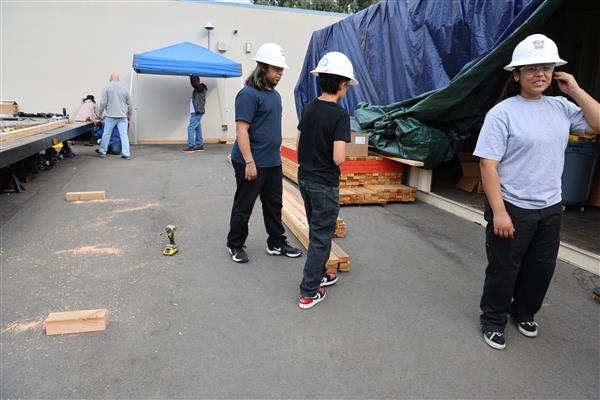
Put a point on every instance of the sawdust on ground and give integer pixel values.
(87, 250)
(117, 201)
(22, 326)
(139, 208)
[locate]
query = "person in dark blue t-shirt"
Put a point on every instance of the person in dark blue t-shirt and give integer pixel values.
(323, 132)
(255, 156)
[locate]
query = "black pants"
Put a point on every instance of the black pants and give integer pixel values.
(519, 270)
(269, 186)
(322, 206)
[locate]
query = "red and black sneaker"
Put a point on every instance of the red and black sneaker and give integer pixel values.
(309, 302)
(329, 279)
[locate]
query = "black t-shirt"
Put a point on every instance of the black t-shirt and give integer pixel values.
(322, 123)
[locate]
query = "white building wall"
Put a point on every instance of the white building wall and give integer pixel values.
(55, 53)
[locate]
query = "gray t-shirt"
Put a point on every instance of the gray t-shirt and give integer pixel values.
(115, 101)
(529, 138)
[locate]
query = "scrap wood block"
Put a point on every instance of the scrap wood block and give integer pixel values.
(85, 196)
(59, 323)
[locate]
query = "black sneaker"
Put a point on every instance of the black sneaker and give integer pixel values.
(199, 148)
(99, 154)
(528, 328)
(124, 157)
(283, 250)
(494, 339)
(238, 254)
(189, 149)
(329, 279)
(309, 302)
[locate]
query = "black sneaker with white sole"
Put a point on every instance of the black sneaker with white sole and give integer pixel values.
(99, 153)
(283, 249)
(494, 339)
(329, 279)
(528, 328)
(238, 254)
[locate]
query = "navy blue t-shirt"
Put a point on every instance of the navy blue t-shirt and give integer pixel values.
(262, 110)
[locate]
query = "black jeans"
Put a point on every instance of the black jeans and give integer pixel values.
(322, 205)
(519, 270)
(269, 185)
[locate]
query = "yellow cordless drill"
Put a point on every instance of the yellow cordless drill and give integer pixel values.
(170, 249)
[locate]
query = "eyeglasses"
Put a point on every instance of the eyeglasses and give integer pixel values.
(534, 69)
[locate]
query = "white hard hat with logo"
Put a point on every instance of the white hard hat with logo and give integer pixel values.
(535, 49)
(336, 63)
(272, 54)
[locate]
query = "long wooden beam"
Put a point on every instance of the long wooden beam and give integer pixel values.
(34, 130)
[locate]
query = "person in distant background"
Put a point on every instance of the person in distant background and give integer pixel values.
(116, 106)
(89, 112)
(197, 103)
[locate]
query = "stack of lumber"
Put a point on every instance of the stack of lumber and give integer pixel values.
(340, 228)
(377, 194)
(33, 130)
(363, 180)
(373, 178)
(294, 216)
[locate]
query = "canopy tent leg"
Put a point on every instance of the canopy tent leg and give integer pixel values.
(133, 105)
(135, 108)
(226, 124)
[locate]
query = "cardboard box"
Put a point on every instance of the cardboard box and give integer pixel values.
(358, 146)
(471, 180)
(9, 107)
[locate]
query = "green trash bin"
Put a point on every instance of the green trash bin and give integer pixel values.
(581, 159)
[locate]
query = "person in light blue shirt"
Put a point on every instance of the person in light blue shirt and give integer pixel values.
(521, 146)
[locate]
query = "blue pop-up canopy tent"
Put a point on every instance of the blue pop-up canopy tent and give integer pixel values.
(184, 59)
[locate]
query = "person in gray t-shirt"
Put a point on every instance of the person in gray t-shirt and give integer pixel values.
(521, 146)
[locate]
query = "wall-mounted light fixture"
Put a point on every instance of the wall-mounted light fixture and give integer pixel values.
(209, 27)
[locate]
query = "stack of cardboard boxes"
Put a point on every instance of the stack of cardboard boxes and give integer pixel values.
(471, 179)
(9, 107)
(358, 146)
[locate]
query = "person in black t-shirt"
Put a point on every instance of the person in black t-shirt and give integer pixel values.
(323, 132)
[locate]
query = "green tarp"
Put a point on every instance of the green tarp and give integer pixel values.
(429, 127)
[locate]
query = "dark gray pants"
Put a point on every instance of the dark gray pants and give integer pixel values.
(519, 270)
(322, 205)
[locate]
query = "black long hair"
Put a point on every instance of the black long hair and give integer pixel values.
(258, 77)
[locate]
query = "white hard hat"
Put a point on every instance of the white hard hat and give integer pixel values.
(336, 63)
(535, 49)
(272, 54)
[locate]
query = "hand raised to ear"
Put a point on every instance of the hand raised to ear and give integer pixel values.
(566, 82)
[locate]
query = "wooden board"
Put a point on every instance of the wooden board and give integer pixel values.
(59, 323)
(412, 163)
(86, 196)
(294, 217)
(34, 130)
